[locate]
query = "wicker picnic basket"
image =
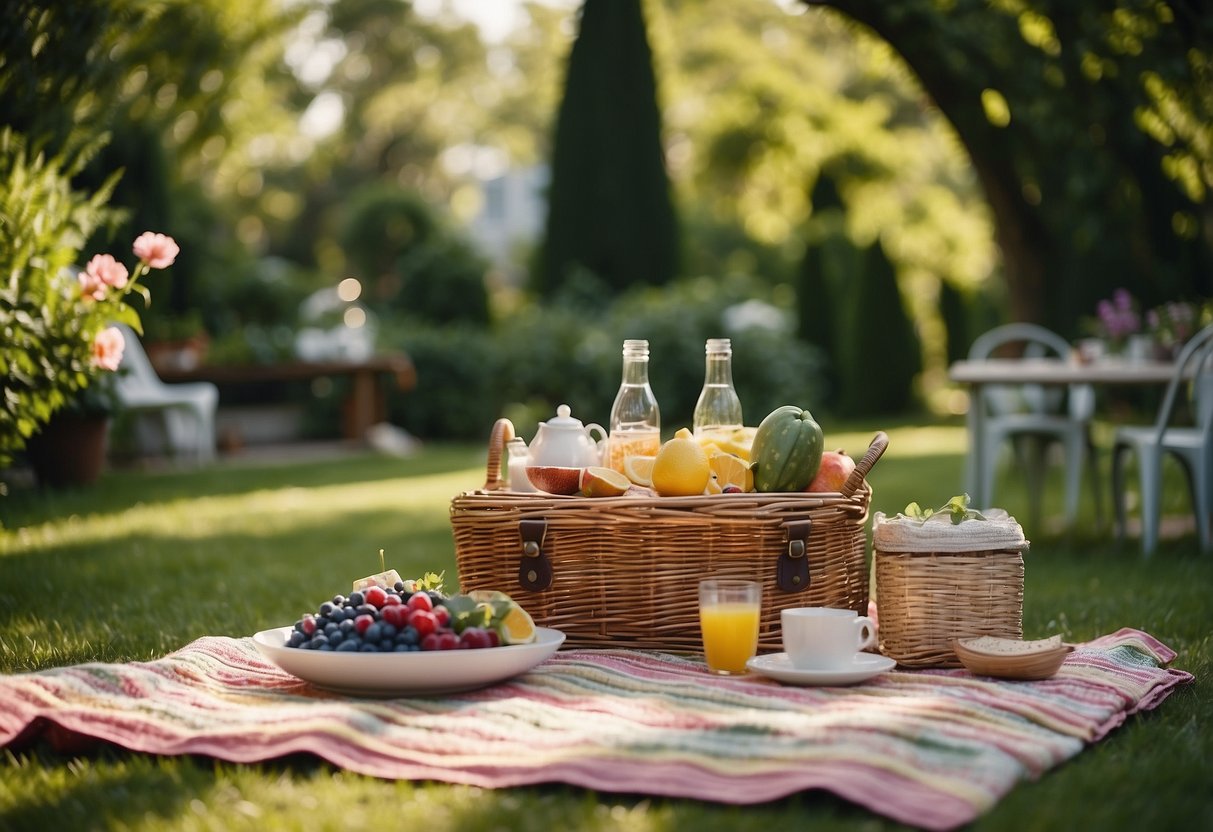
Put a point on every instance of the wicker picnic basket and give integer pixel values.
(937, 581)
(624, 571)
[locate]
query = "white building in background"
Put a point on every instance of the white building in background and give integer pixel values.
(513, 210)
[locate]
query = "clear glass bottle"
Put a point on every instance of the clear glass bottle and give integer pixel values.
(718, 408)
(635, 427)
(518, 458)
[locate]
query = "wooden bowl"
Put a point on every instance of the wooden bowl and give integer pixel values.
(1008, 658)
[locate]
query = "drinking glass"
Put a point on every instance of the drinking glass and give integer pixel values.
(728, 618)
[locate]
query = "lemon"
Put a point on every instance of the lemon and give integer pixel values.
(639, 469)
(729, 469)
(735, 441)
(681, 467)
(516, 626)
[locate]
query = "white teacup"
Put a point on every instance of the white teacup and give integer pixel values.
(823, 637)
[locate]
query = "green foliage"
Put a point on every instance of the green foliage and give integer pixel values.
(824, 288)
(546, 355)
(882, 355)
(609, 208)
(456, 393)
(46, 327)
(1091, 127)
(413, 266)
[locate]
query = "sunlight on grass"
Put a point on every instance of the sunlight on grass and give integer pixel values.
(904, 442)
(261, 513)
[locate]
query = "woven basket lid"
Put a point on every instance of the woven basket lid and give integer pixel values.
(997, 532)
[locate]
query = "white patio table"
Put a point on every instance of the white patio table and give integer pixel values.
(1103, 371)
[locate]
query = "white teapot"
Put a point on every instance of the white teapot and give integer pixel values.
(563, 441)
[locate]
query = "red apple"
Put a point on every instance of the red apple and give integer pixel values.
(835, 467)
(554, 479)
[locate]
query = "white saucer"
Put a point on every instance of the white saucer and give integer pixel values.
(861, 667)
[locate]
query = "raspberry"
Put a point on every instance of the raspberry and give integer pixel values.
(395, 614)
(420, 601)
(362, 622)
(443, 615)
(424, 622)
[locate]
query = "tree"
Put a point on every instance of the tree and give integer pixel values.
(609, 210)
(882, 355)
(1090, 127)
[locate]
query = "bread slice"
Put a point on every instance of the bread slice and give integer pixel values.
(1009, 658)
(993, 646)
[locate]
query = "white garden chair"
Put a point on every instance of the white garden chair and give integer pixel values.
(1191, 444)
(1033, 411)
(186, 411)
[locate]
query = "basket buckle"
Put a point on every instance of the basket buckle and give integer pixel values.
(534, 568)
(792, 568)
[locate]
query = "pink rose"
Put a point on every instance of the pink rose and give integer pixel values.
(109, 271)
(107, 348)
(157, 250)
(91, 286)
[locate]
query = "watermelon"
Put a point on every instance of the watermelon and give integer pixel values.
(787, 450)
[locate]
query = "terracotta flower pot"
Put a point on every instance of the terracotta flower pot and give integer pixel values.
(69, 451)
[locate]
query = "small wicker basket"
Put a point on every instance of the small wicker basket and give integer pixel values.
(624, 571)
(930, 589)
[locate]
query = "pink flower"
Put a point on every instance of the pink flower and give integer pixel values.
(91, 286)
(107, 348)
(105, 268)
(157, 250)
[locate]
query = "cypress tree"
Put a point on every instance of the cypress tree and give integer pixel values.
(609, 207)
(829, 263)
(885, 350)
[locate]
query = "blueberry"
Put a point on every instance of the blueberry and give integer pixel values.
(348, 645)
(338, 600)
(325, 646)
(398, 586)
(347, 625)
(319, 640)
(296, 639)
(356, 599)
(336, 637)
(410, 635)
(387, 631)
(349, 613)
(373, 632)
(327, 608)
(367, 647)
(400, 648)
(366, 609)
(331, 629)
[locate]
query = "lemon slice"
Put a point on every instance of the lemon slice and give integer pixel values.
(516, 626)
(728, 469)
(639, 469)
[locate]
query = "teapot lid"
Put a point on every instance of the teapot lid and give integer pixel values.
(562, 419)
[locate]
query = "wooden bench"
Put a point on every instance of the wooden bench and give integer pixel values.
(365, 405)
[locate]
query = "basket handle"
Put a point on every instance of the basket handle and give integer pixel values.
(879, 443)
(503, 431)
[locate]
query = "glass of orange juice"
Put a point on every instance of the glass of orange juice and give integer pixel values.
(728, 617)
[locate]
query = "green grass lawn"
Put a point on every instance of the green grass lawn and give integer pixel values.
(143, 563)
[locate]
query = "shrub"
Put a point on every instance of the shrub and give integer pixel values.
(47, 327)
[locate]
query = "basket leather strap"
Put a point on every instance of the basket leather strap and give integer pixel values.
(792, 569)
(534, 568)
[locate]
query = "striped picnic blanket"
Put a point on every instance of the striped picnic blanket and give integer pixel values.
(930, 748)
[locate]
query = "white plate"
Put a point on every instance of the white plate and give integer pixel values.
(407, 674)
(862, 666)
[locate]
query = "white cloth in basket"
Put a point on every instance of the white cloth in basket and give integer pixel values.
(938, 533)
